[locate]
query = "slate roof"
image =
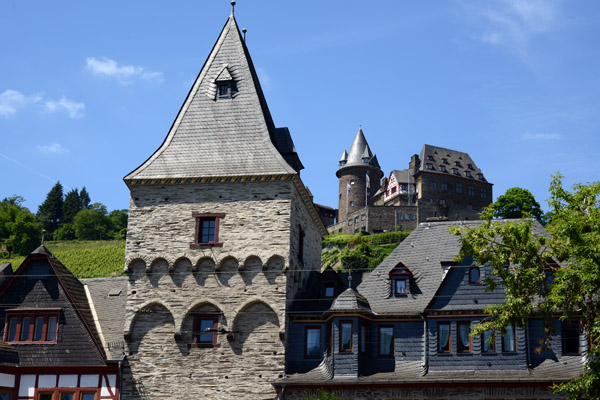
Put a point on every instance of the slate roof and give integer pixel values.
(109, 296)
(454, 159)
(42, 281)
(401, 175)
(350, 301)
(359, 151)
(221, 137)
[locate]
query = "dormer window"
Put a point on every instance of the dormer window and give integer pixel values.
(480, 177)
(445, 160)
(329, 290)
(457, 164)
(468, 174)
(474, 275)
(455, 171)
(224, 90)
(430, 158)
(400, 278)
(470, 166)
(443, 168)
(32, 326)
(429, 166)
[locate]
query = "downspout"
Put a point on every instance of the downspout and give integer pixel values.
(527, 344)
(426, 347)
(120, 379)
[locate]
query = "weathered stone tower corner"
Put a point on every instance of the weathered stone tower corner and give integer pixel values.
(221, 233)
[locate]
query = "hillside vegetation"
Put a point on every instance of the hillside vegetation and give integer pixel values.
(360, 252)
(85, 259)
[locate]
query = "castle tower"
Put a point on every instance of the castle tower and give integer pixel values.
(221, 234)
(355, 166)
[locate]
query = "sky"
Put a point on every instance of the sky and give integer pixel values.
(89, 90)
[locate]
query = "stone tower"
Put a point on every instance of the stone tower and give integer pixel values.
(355, 165)
(221, 234)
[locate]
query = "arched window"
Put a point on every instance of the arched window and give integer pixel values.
(474, 275)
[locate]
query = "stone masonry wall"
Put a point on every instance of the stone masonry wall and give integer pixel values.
(244, 282)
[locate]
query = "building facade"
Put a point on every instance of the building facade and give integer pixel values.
(439, 185)
(222, 232)
(404, 332)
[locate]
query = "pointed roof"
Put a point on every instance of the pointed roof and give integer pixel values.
(360, 154)
(220, 137)
(350, 301)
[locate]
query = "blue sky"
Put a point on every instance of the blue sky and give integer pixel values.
(88, 90)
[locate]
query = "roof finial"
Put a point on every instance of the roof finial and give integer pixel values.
(232, 7)
(244, 31)
(350, 281)
(43, 234)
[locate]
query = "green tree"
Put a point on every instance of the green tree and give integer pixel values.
(324, 396)
(515, 202)
(92, 223)
(65, 232)
(71, 206)
(50, 212)
(84, 198)
(575, 289)
(118, 223)
(20, 231)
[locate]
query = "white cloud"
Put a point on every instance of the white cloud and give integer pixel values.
(541, 136)
(54, 148)
(265, 79)
(12, 101)
(512, 23)
(73, 108)
(124, 73)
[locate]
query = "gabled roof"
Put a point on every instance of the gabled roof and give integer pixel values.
(360, 154)
(73, 289)
(221, 137)
(350, 301)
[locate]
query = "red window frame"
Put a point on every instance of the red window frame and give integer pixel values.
(349, 349)
(306, 329)
(201, 217)
(197, 330)
(379, 341)
(56, 392)
(460, 348)
(47, 334)
(439, 350)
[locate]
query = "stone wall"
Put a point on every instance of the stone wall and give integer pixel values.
(245, 282)
(377, 219)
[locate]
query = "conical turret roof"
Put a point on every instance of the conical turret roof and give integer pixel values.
(214, 136)
(360, 154)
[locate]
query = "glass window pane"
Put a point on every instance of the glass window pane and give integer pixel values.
(329, 291)
(346, 336)
(488, 344)
(313, 341)
(45, 396)
(25, 324)
(4, 396)
(205, 326)
(464, 343)
(386, 336)
(508, 341)
(88, 396)
(444, 338)
(67, 396)
(474, 275)
(51, 329)
(39, 329)
(12, 329)
(400, 286)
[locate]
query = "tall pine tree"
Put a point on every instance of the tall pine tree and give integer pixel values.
(51, 210)
(84, 198)
(71, 206)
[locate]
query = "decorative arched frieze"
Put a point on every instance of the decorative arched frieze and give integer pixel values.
(135, 265)
(228, 264)
(158, 264)
(179, 320)
(130, 319)
(180, 265)
(256, 300)
(205, 264)
(256, 328)
(251, 263)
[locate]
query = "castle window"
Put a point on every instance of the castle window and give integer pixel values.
(464, 337)
(488, 342)
(352, 181)
(443, 337)
(570, 337)
(459, 188)
(430, 158)
(412, 217)
(471, 190)
(443, 186)
(474, 275)
(33, 326)
(400, 278)
(445, 160)
(429, 166)
(480, 177)
(469, 206)
(312, 341)
(443, 168)
(442, 202)
(468, 174)
(207, 230)
(224, 90)
(482, 193)
(432, 184)
(386, 341)
(508, 340)
(455, 171)
(204, 333)
(346, 337)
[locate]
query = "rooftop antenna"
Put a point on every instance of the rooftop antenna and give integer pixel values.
(244, 30)
(232, 7)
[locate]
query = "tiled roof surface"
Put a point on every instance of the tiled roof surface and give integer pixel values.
(109, 296)
(359, 150)
(438, 156)
(350, 300)
(220, 137)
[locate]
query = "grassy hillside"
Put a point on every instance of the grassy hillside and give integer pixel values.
(359, 252)
(86, 259)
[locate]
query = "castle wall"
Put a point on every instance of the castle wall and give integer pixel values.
(243, 282)
(357, 179)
